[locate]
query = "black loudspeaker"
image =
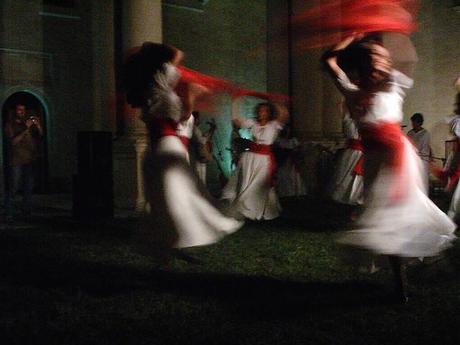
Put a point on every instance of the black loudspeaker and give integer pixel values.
(93, 184)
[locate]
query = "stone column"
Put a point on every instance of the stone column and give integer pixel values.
(141, 21)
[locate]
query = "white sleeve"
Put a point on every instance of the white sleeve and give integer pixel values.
(455, 125)
(277, 125)
(248, 123)
(345, 84)
(401, 79)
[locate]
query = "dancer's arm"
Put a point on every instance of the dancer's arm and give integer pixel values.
(330, 57)
(237, 120)
(330, 61)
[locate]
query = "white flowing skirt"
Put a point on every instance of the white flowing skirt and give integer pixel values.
(412, 226)
(178, 213)
(346, 186)
(248, 191)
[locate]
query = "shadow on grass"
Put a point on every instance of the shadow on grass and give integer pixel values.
(246, 296)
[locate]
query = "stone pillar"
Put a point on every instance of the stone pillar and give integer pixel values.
(141, 21)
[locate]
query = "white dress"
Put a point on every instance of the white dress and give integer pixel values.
(249, 189)
(421, 140)
(177, 214)
(347, 186)
(408, 223)
(454, 208)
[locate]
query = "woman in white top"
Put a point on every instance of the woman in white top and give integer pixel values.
(398, 220)
(251, 189)
(420, 137)
(177, 213)
(347, 181)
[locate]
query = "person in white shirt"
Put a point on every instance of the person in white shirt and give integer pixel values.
(250, 190)
(420, 137)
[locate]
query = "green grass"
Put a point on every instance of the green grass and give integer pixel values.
(280, 282)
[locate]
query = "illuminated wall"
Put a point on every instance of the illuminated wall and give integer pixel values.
(225, 38)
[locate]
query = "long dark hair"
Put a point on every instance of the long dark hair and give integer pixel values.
(356, 60)
(140, 68)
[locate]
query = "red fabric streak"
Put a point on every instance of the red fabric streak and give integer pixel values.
(355, 144)
(185, 141)
(389, 138)
(218, 86)
(266, 150)
(328, 23)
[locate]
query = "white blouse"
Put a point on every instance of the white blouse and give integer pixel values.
(380, 106)
(265, 134)
(185, 128)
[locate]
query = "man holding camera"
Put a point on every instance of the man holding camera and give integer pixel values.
(23, 134)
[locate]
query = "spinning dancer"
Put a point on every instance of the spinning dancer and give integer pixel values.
(398, 219)
(250, 189)
(177, 213)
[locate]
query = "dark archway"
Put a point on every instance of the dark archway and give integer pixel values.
(35, 107)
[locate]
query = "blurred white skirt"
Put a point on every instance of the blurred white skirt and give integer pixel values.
(178, 213)
(248, 190)
(410, 226)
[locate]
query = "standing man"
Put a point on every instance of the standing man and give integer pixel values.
(23, 134)
(420, 137)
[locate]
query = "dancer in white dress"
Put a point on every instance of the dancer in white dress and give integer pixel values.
(250, 189)
(347, 181)
(177, 215)
(420, 137)
(398, 220)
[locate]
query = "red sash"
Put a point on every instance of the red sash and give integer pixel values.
(160, 128)
(263, 149)
(387, 136)
(355, 144)
(185, 141)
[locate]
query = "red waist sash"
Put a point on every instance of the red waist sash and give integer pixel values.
(160, 128)
(388, 137)
(263, 149)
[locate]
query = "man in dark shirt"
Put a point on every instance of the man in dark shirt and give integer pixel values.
(23, 134)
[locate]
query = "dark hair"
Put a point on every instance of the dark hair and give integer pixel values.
(356, 60)
(140, 68)
(271, 109)
(417, 117)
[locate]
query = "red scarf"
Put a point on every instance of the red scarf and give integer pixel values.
(263, 149)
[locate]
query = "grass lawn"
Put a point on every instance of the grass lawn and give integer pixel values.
(278, 282)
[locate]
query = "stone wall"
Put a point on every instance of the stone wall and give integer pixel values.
(225, 38)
